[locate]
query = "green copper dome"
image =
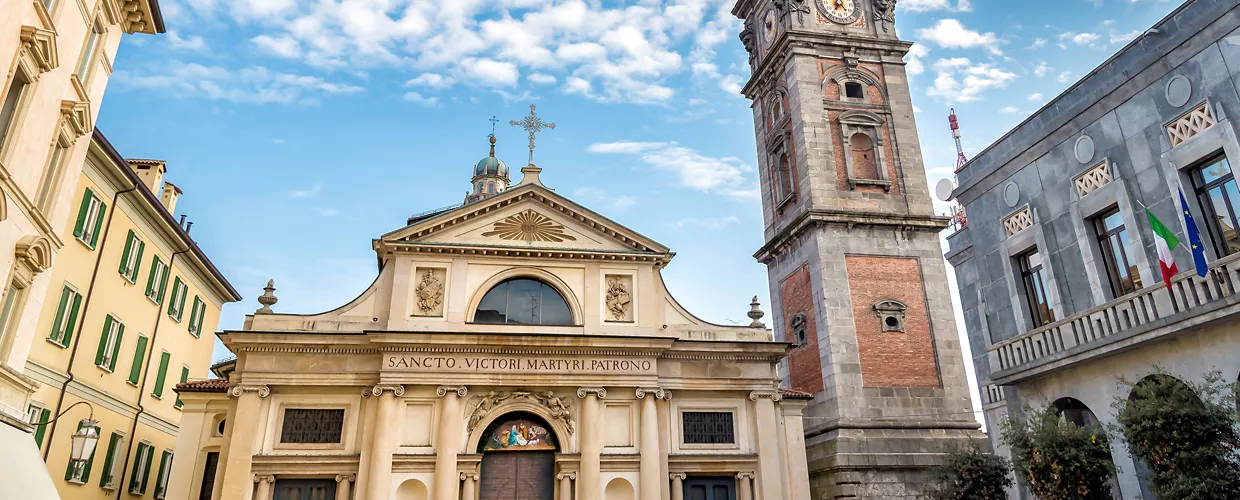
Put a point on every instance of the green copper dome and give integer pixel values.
(491, 166)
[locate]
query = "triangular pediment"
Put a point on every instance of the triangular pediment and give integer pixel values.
(526, 217)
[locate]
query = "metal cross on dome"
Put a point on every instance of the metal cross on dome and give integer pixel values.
(532, 124)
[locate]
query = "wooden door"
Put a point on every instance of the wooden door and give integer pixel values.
(518, 475)
(710, 488)
(305, 489)
(208, 475)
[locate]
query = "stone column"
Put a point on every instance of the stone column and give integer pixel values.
(770, 476)
(590, 442)
(469, 480)
(344, 486)
(238, 481)
(648, 445)
(379, 475)
(264, 486)
(447, 442)
(678, 485)
(743, 489)
(794, 448)
(566, 484)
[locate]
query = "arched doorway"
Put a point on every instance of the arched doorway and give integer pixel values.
(1076, 411)
(518, 459)
(1160, 385)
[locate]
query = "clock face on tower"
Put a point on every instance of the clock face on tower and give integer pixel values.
(770, 27)
(840, 11)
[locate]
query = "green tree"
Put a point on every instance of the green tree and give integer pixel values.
(970, 474)
(1059, 459)
(1185, 433)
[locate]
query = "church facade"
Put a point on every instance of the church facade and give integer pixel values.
(517, 346)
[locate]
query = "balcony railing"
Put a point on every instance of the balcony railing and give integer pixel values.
(1146, 309)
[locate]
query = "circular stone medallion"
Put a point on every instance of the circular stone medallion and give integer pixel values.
(1011, 194)
(1179, 90)
(1084, 149)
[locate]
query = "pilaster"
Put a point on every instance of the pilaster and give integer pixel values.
(238, 481)
(447, 443)
(590, 442)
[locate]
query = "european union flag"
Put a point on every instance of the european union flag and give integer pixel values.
(1194, 237)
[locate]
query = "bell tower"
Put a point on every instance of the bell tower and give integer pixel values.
(857, 276)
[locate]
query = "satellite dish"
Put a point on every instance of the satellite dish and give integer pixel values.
(943, 189)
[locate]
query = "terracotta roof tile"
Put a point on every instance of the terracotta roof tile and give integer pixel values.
(210, 385)
(794, 394)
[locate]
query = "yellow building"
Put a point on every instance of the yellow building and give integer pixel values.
(122, 324)
(57, 57)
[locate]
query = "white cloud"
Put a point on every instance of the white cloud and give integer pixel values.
(711, 223)
(1085, 39)
(1117, 38)
(577, 85)
(612, 203)
(1064, 77)
(432, 80)
(313, 191)
(491, 73)
(951, 34)
(731, 84)
(1037, 43)
(912, 61)
(1035, 97)
(1042, 69)
(255, 84)
(960, 80)
(282, 46)
(174, 41)
(421, 99)
(929, 5)
(541, 78)
(1010, 110)
(719, 175)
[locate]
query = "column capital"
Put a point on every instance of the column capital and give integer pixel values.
(469, 476)
(744, 475)
(677, 476)
(264, 478)
(460, 390)
(655, 392)
(771, 395)
(566, 475)
(346, 477)
(237, 390)
(397, 390)
(598, 392)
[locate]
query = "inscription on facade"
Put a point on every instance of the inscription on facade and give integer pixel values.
(488, 364)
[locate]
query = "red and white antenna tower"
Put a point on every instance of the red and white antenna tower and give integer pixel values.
(959, 220)
(960, 158)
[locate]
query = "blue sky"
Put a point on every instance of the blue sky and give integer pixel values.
(300, 130)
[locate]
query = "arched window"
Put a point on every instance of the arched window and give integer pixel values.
(783, 173)
(1073, 410)
(491, 188)
(864, 165)
(524, 301)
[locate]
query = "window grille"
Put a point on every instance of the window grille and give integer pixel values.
(708, 427)
(312, 426)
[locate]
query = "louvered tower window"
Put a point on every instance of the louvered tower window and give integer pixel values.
(312, 426)
(708, 427)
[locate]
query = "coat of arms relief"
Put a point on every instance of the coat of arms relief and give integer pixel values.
(429, 292)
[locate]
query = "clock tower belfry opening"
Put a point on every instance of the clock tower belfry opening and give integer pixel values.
(849, 231)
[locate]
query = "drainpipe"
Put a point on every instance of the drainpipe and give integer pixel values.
(146, 370)
(77, 341)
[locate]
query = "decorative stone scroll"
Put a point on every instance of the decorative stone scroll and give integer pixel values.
(443, 390)
(529, 226)
(1194, 122)
(33, 255)
(1018, 221)
(598, 392)
(1092, 179)
(378, 390)
(237, 390)
(655, 392)
(619, 297)
(429, 292)
(771, 395)
(556, 406)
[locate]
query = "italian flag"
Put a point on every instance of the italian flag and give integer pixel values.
(1165, 241)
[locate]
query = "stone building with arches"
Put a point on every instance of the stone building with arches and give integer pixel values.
(518, 342)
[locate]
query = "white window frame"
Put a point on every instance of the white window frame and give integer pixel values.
(176, 306)
(165, 470)
(161, 270)
(110, 483)
(96, 32)
(109, 346)
(136, 487)
(58, 336)
(93, 213)
(32, 412)
(132, 262)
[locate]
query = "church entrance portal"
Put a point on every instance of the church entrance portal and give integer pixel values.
(518, 459)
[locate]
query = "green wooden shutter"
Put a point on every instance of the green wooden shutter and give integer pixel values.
(164, 460)
(163, 371)
(146, 467)
(125, 254)
(81, 218)
(73, 314)
(137, 480)
(150, 279)
(116, 348)
(66, 295)
(106, 477)
(163, 282)
(94, 237)
(181, 299)
(138, 356)
(137, 263)
(176, 303)
(103, 340)
(69, 467)
(44, 416)
(90, 461)
(184, 379)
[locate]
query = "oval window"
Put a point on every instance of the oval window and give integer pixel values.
(524, 301)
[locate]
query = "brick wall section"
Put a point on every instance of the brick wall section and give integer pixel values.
(891, 359)
(804, 362)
